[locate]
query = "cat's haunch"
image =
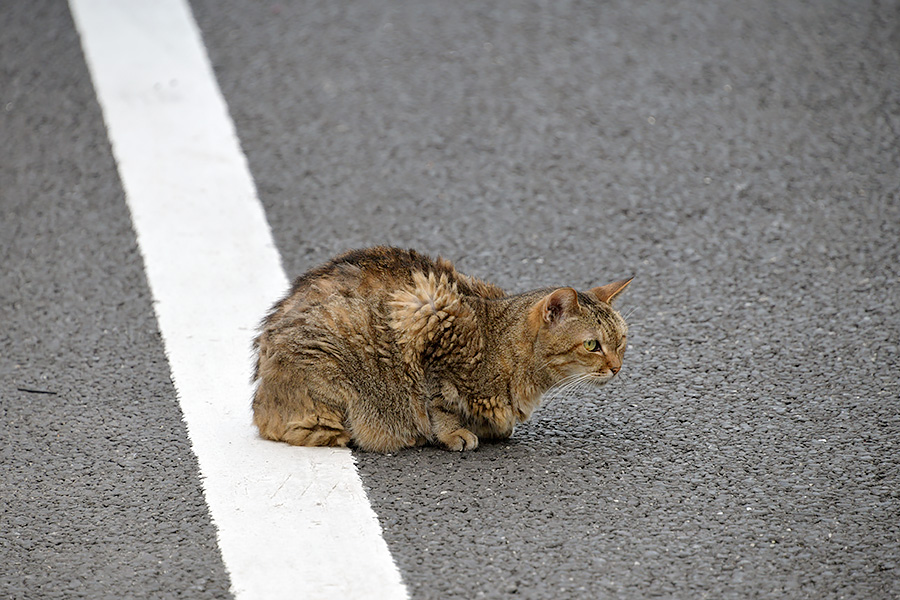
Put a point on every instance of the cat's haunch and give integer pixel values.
(386, 348)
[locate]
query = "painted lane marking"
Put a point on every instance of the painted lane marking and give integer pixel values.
(292, 522)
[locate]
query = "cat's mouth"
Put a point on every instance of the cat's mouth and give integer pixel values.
(598, 378)
(605, 376)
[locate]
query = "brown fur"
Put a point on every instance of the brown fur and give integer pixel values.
(386, 348)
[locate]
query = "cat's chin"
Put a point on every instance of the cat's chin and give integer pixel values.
(601, 379)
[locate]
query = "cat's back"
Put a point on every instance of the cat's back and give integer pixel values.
(372, 275)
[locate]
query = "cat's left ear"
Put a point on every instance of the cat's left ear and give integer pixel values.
(556, 305)
(607, 293)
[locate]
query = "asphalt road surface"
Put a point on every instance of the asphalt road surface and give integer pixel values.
(741, 159)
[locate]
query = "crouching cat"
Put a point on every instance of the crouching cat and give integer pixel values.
(386, 348)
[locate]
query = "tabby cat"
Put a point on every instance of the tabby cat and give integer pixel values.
(386, 348)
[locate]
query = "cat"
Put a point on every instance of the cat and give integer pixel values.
(385, 348)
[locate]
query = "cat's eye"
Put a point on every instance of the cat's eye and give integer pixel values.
(591, 345)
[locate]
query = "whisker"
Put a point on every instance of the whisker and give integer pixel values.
(569, 387)
(567, 380)
(577, 389)
(557, 390)
(542, 366)
(580, 387)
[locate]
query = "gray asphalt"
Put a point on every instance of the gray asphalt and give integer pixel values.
(99, 492)
(741, 159)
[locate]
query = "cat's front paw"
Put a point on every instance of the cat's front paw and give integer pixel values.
(459, 440)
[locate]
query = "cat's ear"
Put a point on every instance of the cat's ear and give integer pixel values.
(607, 293)
(555, 305)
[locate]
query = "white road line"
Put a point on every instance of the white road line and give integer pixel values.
(292, 522)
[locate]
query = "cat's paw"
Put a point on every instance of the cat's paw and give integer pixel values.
(459, 440)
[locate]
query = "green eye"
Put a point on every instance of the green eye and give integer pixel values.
(591, 345)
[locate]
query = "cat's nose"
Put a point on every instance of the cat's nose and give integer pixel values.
(613, 362)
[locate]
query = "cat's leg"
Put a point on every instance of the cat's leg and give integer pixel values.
(492, 418)
(447, 423)
(373, 434)
(487, 430)
(385, 417)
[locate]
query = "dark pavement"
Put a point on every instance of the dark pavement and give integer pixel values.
(741, 159)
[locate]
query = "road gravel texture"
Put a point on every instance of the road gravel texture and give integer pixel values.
(741, 159)
(99, 492)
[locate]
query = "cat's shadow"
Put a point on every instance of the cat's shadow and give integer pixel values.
(550, 447)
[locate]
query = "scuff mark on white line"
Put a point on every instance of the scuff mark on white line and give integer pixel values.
(213, 271)
(275, 493)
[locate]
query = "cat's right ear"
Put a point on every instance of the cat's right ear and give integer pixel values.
(555, 305)
(607, 293)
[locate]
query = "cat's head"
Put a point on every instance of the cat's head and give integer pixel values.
(580, 333)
